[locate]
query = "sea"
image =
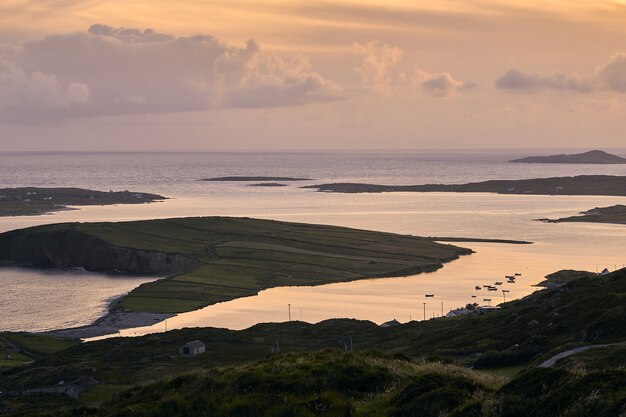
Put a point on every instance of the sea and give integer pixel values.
(46, 299)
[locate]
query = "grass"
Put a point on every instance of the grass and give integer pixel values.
(223, 258)
(425, 369)
(332, 383)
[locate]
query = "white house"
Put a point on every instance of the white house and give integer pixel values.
(192, 348)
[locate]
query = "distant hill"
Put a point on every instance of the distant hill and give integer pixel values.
(579, 185)
(591, 157)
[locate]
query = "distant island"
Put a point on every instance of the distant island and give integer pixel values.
(579, 185)
(591, 157)
(613, 214)
(32, 201)
(256, 179)
(267, 184)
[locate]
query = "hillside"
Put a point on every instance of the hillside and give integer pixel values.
(579, 185)
(215, 259)
(591, 157)
(306, 380)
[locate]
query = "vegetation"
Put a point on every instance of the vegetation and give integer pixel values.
(33, 201)
(613, 214)
(579, 185)
(240, 376)
(215, 259)
(333, 383)
(563, 277)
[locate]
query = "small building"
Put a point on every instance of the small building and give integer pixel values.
(459, 312)
(392, 323)
(486, 309)
(192, 348)
(605, 271)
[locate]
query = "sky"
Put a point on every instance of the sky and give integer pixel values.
(159, 75)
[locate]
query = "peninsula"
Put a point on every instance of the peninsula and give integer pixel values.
(32, 201)
(591, 157)
(250, 179)
(214, 259)
(613, 214)
(579, 185)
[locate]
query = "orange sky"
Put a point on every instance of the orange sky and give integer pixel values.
(326, 74)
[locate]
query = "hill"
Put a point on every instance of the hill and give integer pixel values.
(238, 375)
(591, 157)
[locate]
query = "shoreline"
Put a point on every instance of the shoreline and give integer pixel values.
(114, 320)
(117, 319)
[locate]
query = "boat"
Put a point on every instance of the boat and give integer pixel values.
(486, 286)
(429, 295)
(487, 299)
(517, 274)
(505, 290)
(473, 296)
(492, 289)
(509, 276)
(478, 287)
(498, 282)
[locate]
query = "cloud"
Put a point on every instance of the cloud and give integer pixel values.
(606, 77)
(612, 75)
(377, 73)
(379, 59)
(111, 71)
(516, 79)
(440, 84)
(20, 91)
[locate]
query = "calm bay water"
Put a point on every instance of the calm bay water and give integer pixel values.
(580, 246)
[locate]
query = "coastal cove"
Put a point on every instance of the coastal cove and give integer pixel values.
(582, 246)
(427, 214)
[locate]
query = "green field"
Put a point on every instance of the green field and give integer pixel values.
(215, 259)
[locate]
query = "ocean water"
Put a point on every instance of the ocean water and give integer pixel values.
(556, 246)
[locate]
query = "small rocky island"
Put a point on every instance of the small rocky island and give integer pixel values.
(591, 157)
(267, 184)
(252, 179)
(579, 185)
(32, 201)
(613, 214)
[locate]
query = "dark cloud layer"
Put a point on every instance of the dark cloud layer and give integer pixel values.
(607, 77)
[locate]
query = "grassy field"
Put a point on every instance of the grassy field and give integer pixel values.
(19, 349)
(226, 258)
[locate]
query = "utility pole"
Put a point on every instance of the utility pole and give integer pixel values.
(442, 309)
(424, 311)
(289, 311)
(504, 295)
